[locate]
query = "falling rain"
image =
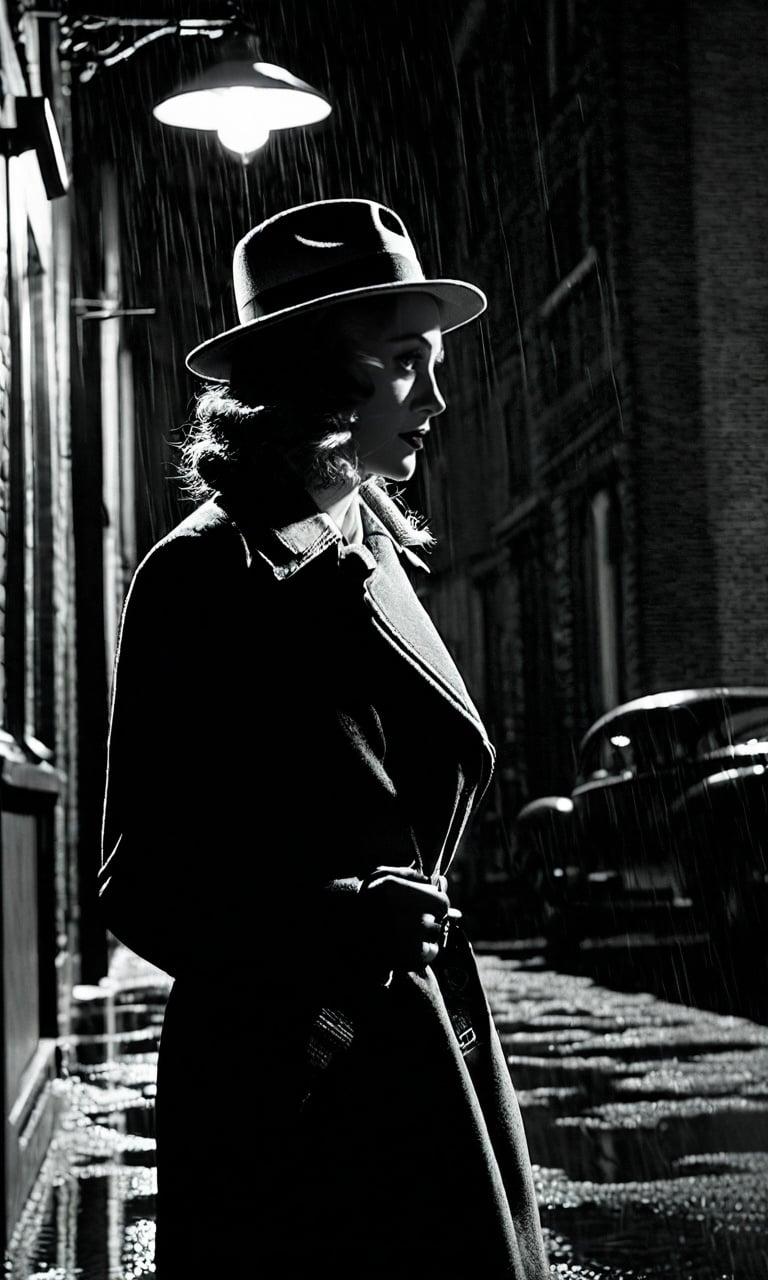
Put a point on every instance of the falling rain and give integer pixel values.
(597, 490)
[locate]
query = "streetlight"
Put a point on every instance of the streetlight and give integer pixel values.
(240, 98)
(243, 101)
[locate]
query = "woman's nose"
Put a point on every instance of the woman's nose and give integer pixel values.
(430, 398)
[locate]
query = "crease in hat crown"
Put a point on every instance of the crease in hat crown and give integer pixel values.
(318, 254)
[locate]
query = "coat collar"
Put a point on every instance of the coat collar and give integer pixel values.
(406, 624)
(302, 533)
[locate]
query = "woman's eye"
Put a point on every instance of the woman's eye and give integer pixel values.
(409, 360)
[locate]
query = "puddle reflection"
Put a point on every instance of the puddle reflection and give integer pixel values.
(648, 1125)
(91, 1216)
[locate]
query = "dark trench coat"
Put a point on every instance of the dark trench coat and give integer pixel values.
(285, 719)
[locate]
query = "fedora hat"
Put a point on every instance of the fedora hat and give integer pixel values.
(314, 256)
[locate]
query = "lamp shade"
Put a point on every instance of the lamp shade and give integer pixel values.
(238, 90)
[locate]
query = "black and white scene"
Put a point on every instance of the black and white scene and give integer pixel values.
(384, 639)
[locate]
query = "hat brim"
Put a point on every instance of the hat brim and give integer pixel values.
(458, 301)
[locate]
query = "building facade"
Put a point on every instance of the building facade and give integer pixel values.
(38, 736)
(603, 477)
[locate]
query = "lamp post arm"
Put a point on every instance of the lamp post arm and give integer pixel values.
(80, 37)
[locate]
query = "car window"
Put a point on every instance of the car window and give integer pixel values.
(612, 752)
(745, 728)
(668, 738)
(645, 741)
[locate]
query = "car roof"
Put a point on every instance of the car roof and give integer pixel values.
(676, 698)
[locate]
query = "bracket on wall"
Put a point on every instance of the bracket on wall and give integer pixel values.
(36, 131)
(106, 309)
(92, 41)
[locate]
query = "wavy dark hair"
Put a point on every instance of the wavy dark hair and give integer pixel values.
(293, 397)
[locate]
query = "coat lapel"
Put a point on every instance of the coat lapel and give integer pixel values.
(403, 621)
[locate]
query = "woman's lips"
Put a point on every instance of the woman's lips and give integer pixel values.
(414, 438)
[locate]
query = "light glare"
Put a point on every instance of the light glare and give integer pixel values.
(242, 126)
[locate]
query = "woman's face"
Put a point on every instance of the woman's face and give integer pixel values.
(397, 348)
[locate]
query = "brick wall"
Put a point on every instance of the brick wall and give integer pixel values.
(728, 61)
(678, 642)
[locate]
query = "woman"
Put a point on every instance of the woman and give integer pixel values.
(293, 759)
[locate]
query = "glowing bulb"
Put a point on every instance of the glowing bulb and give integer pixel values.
(241, 125)
(244, 136)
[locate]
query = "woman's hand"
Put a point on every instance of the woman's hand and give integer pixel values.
(402, 917)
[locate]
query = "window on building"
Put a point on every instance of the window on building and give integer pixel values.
(40, 520)
(561, 43)
(570, 39)
(505, 691)
(565, 228)
(573, 329)
(601, 570)
(571, 321)
(517, 444)
(117, 425)
(16, 613)
(29, 709)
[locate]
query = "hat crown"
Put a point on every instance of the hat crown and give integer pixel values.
(318, 249)
(314, 256)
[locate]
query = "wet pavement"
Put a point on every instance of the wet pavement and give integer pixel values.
(647, 1122)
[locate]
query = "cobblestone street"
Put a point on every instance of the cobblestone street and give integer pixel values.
(647, 1122)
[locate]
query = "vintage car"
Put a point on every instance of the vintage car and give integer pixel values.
(667, 820)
